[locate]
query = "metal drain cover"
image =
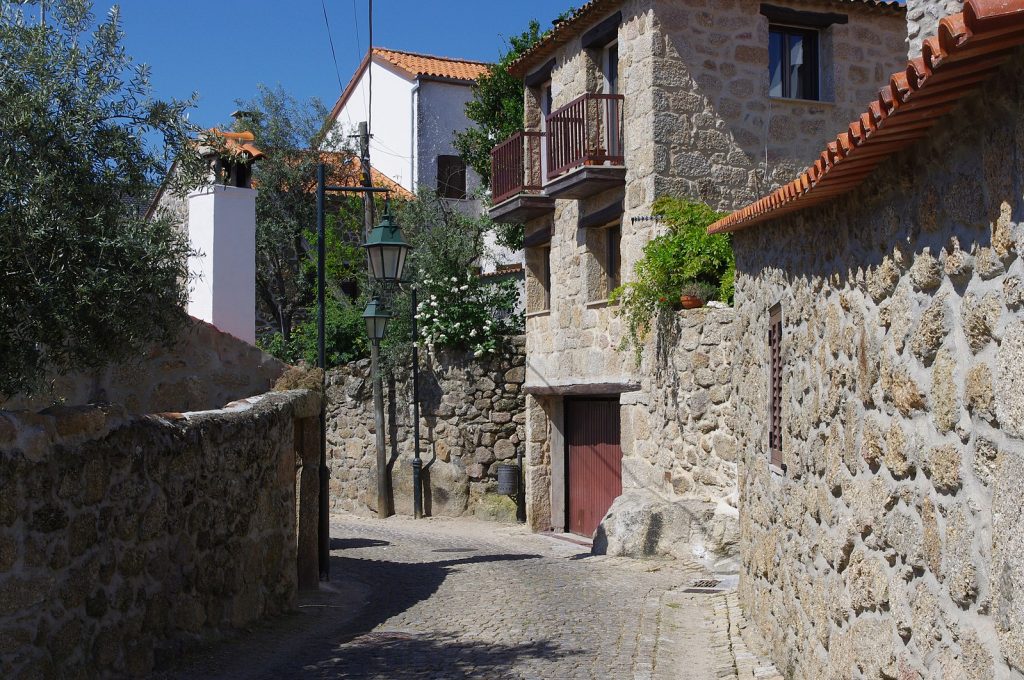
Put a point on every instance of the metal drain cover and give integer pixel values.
(707, 585)
(454, 550)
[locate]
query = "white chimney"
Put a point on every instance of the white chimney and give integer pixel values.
(222, 228)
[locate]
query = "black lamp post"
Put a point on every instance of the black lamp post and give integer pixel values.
(386, 253)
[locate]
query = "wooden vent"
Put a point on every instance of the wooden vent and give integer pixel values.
(775, 386)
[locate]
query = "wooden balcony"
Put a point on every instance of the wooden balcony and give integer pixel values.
(517, 179)
(585, 149)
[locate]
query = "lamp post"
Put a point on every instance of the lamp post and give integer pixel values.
(386, 254)
(377, 318)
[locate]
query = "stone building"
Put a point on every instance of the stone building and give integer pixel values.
(627, 101)
(879, 374)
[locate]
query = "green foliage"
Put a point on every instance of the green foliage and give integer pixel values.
(457, 309)
(686, 256)
(86, 280)
(344, 336)
(288, 132)
(496, 107)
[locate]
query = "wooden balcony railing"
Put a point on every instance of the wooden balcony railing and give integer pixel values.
(586, 131)
(516, 166)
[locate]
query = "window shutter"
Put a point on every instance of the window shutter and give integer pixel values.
(775, 386)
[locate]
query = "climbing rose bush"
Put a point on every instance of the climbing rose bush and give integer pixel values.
(467, 312)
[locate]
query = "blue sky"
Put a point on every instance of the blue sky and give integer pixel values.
(223, 48)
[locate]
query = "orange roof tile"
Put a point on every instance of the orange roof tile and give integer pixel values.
(416, 66)
(581, 19)
(346, 169)
(237, 141)
(970, 46)
(438, 67)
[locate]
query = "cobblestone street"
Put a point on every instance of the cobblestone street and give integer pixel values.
(443, 598)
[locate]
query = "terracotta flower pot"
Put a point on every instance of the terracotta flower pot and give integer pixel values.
(690, 301)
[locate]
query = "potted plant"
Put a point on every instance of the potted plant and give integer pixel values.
(694, 295)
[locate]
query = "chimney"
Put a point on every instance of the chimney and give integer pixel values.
(222, 229)
(923, 21)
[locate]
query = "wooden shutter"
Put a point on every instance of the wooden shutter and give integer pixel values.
(775, 384)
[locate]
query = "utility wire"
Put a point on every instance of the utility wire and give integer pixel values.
(330, 39)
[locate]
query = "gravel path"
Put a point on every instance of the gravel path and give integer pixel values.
(444, 598)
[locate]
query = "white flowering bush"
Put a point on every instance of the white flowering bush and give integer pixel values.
(467, 312)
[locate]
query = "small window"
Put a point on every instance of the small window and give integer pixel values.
(451, 177)
(613, 238)
(775, 384)
(793, 62)
(546, 277)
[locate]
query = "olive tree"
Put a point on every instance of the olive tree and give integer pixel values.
(84, 278)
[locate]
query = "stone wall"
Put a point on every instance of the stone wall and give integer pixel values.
(677, 441)
(890, 545)
(204, 369)
(923, 21)
(471, 421)
(124, 539)
(698, 124)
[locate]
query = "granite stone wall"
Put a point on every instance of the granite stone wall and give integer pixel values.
(203, 369)
(471, 421)
(890, 545)
(698, 123)
(923, 21)
(124, 539)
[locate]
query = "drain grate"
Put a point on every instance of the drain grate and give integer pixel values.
(704, 586)
(454, 550)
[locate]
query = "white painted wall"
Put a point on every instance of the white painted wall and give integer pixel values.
(222, 228)
(391, 148)
(441, 112)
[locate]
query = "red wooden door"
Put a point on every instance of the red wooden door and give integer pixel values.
(594, 461)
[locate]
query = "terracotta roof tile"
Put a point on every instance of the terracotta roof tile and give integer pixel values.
(237, 141)
(345, 169)
(437, 67)
(969, 47)
(581, 19)
(415, 65)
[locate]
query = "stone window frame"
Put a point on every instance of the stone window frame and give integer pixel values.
(538, 267)
(819, 23)
(600, 259)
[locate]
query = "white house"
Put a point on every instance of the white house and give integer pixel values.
(419, 102)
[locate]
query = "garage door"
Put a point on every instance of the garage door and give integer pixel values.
(593, 461)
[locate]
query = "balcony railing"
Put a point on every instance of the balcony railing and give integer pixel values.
(516, 166)
(586, 131)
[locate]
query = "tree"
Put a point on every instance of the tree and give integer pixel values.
(86, 280)
(496, 107)
(288, 132)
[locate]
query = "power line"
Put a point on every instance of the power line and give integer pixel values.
(330, 39)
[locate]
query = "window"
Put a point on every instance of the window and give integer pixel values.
(613, 260)
(775, 384)
(451, 177)
(611, 68)
(793, 62)
(546, 277)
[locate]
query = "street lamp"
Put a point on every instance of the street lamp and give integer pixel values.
(386, 251)
(376, 317)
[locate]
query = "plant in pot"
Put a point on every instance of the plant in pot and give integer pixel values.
(694, 295)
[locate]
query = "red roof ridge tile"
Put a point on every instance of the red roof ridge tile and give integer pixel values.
(967, 49)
